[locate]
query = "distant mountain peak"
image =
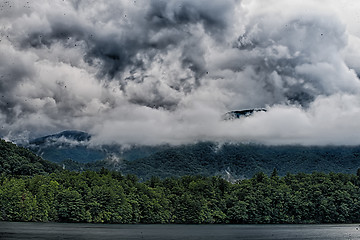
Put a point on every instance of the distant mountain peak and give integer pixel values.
(242, 113)
(68, 135)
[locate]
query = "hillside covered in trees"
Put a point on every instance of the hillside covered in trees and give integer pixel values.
(16, 160)
(234, 161)
(72, 150)
(51, 194)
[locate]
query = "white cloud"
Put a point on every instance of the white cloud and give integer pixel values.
(153, 72)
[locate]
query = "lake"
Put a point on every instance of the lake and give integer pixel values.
(15, 230)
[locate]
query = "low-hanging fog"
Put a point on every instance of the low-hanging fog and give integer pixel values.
(166, 71)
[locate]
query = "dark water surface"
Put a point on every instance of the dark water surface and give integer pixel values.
(11, 230)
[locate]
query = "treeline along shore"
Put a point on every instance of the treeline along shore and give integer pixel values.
(109, 197)
(32, 189)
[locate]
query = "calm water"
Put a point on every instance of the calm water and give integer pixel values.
(208, 232)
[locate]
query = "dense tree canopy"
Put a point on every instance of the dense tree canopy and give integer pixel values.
(32, 189)
(230, 160)
(109, 197)
(20, 161)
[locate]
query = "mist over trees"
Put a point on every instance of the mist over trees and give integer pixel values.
(32, 189)
(235, 161)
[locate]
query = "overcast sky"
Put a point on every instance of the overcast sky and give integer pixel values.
(166, 71)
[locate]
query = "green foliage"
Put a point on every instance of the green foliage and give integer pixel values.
(32, 189)
(109, 197)
(71, 207)
(243, 160)
(229, 160)
(16, 160)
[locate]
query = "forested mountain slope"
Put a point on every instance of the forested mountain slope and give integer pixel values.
(233, 161)
(16, 160)
(32, 189)
(73, 150)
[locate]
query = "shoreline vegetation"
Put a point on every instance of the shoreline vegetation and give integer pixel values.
(109, 197)
(34, 190)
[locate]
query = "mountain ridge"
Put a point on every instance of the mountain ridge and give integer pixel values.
(230, 160)
(74, 135)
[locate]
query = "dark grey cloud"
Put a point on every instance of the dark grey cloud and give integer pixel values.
(150, 72)
(214, 15)
(135, 37)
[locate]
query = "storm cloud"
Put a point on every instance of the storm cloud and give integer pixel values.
(153, 72)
